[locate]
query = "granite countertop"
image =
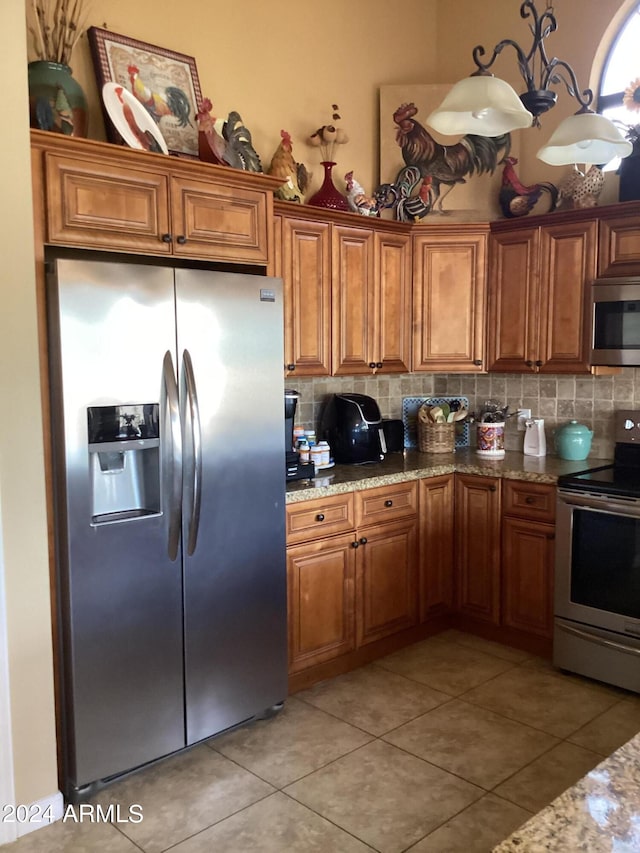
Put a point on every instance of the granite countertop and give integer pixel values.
(413, 465)
(600, 814)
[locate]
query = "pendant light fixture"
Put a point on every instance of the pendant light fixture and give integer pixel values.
(487, 106)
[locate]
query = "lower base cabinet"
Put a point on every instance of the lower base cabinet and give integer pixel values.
(411, 558)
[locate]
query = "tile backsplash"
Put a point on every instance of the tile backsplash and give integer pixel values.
(591, 400)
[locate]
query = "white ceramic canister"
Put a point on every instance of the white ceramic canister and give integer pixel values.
(491, 440)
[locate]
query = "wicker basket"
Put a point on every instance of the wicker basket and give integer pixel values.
(436, 438)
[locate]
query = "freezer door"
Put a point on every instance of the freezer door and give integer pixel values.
(120, 594)
(230, 330)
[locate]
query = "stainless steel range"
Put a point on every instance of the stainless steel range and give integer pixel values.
(597, 581)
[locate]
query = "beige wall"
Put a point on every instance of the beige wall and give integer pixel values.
(280, 65)
(22, 513)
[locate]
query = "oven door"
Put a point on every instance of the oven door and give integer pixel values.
(597, 587)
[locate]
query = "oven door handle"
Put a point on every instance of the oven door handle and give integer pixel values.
(603, 504)
(599, 641)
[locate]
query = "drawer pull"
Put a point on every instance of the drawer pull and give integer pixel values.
(320, 516)
(388, 503)
(529, 499)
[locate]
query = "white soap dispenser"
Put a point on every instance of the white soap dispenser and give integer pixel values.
(535, 442)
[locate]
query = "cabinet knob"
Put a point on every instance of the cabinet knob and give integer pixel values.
(539, 363)
(529, 363)
(493, 488)
(291, 367)
(363, 540)
(167, 238)
(181, 239)
(355, 544)
(372, 365)
(477, 362)
(320, 516)
(378, 364)
(388, 503)
(529, 500)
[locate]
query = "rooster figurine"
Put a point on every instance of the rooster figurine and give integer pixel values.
(357, 199)
(173, 102)
(294, 175)
(211, 145)
(226, 143)
(515, 198)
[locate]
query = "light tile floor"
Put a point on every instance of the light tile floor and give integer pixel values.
(444, 747)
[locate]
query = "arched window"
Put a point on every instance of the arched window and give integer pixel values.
(619, 95)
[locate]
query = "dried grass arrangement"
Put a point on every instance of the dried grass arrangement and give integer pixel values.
(56, 27)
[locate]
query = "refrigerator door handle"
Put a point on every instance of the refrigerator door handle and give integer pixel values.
(170, 406)
(194, 481)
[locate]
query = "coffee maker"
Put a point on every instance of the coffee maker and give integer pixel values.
(295, 469)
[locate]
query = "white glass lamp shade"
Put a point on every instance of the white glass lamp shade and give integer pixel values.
(484, 105)
(584, 138)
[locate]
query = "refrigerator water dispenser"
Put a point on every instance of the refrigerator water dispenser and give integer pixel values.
(124, 455)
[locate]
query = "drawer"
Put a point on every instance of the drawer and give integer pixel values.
(322, 517)
(529, 500)
(386, 503)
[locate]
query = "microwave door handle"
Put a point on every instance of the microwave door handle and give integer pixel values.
(194, 481)
(172, 478)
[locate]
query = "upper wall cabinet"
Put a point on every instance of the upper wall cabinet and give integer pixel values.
(449, 297)
(539, 278)
(347, 284)
(110, 197)
(619, 244)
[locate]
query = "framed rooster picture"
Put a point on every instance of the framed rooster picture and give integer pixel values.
(165, 83)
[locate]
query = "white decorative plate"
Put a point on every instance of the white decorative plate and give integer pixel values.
(131, 120)
(410, 406)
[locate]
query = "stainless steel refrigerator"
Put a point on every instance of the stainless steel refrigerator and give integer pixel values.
(167, 417)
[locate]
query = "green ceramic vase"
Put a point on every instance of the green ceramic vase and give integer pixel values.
(56, 99)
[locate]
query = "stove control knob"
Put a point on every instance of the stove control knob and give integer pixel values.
(629, 424)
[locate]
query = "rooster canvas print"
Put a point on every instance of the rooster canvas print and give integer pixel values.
(427, 176)
(164, 82)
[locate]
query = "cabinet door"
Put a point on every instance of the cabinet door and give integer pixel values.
(513, 298)
(567, 268)
(619, 245)
(477, 557)
(449, 287)
(386, 580)
(353, 312)
(104, 206)
(211, 220)
(436, 546)
(392, 318)
(306, 273)
(320, 592)
(527, 575)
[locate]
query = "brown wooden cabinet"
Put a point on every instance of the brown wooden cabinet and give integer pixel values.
(436, 546)
(528, 534)
(321, 600)
(349, 589)
(619, 240)
(477, 548)
(539, 279)
(304, 262)
(347, 292)
(449, 298)
(386, 561)
(111, 197)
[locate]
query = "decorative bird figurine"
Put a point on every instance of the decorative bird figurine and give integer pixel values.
(409, 205)
(212, 146)
(294, 175)
(358, 200)
(581, 189)
(515, 198)
(240, 152)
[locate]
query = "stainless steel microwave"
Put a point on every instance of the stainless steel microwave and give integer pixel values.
(616, 322)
